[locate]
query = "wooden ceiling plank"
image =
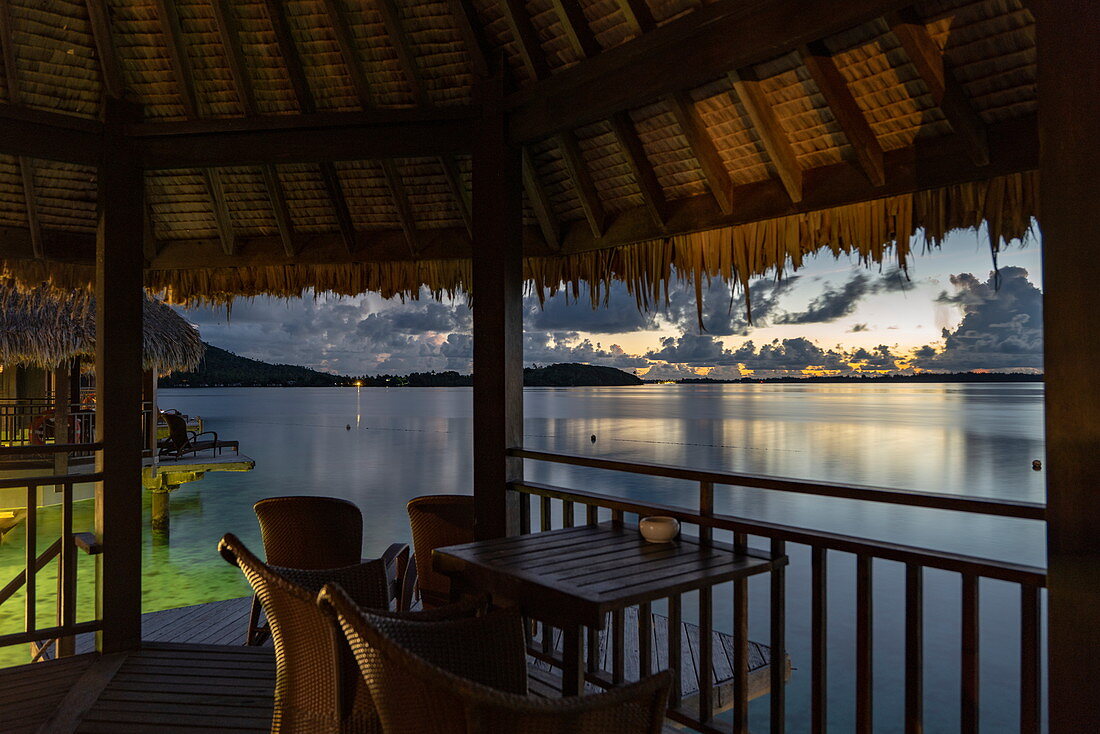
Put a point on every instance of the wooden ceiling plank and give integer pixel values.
(947, 93)
(229, 32)
(279, 208)
(348, 51)
(576, 26)
(335, 191)
(177, 55)
(458, 190)
(703, 148)
(527, 39)
(401, 204)
(842, 103)
(540, 203)
(749, 90)
(109, 68)
(638, 14)
(406, 55)
(722, 35)
(583, 185)
(473, 35)
(289, 51)
(631, 145)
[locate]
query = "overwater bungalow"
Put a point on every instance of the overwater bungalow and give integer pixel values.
(212, 149)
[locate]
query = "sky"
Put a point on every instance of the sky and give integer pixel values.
(948, 313)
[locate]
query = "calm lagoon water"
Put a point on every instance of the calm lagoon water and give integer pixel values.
(380, 447)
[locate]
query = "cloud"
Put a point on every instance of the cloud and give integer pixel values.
(856, 328)
(788, 356)
(1001, 329)
(724, 312)
(568, 346)
(835, 303)
(699, 349)
(619, 315)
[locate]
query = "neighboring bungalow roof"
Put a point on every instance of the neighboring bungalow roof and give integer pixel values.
(900, 116)
(43, 327)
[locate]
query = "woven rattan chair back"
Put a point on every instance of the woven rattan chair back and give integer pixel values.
(317, 686)
(404, 665)
(436, 521)
(310, 532)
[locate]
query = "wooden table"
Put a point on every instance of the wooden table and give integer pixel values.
(572, 578)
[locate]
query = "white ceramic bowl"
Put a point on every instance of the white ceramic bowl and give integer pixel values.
(659, 529)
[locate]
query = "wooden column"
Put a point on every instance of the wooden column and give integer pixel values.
(498, 317)
(1069, 76)
(119, 299)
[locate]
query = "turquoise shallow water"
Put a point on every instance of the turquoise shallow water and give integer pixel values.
(379, 447)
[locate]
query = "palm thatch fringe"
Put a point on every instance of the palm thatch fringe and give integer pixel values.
(873, 229)
(43, 326)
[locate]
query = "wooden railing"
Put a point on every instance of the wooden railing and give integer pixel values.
(33, 423)
(64, 626)
(704, 521)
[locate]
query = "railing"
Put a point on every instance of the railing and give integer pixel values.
(37, 422)
(64, 627)
(698, 715)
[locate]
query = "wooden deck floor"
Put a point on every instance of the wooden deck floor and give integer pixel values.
(194, 675)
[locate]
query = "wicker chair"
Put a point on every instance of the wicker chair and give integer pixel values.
(314, 533)
(470, 671)
(436, 520)
(317, 685)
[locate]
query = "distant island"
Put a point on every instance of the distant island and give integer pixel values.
(221, 368)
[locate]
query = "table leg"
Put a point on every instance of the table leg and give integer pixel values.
(572, 674)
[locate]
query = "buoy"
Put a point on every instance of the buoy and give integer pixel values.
(593, 438)
(347, 427)
(1037, 465)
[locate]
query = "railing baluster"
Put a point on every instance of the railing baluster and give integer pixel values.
(592, 514)
(778, 668)
(864, 647)
(675, 659)
(819, 692)
(970, 631)
(617, 518)
(567, 513)
(544, 514)
(618, 646)
(524, 513)
(706, 660)
(645, 639)
(66, 604)
(914, 649)
(740, 646)
(593, 649)
(30, 524)
(1030, 657)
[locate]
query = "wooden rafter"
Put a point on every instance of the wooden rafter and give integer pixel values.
(406, 57)
(291, 59)
(109, 67)
(40, 134)
(181, 66)
(540, 203)
(149, 239)
(25, 165)
(348, 51)
(838, 96)
(748, 89)
(335, 191)
(631, 145)
(638, 14)
(229, 32)
(401, 204)
(947, 93)
(703, 148)
(473, 36)
(724, 35)
(576, 27)
(458, 190)
(526, 38)
(583, 184)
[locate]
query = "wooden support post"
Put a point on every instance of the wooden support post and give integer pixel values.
(498, 317)
(1068, 77)
(119, 299)
(61, 402)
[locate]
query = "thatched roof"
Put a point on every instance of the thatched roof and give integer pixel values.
(923, 119)
(43, 327)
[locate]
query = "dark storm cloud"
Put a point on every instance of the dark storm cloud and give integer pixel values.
(618, 316)
(696, 349)
(837, 302)
(856, 328)
(789, 355)
(541, 347)
(724, 312)
(1001, 329)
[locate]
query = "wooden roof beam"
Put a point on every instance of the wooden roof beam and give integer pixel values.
(459, 191)
(842, 103)
(653, 194)
(406, 56)
(947, 93)
(39, 134)
(229, 32)
(638, 14)
(401, 204)
(335, 192)
(515, 11)
(291, 59)
(24, 164)
(473, 36)
(349, 52)
(540, 203)
(576, 26)
(748, 89)
(109, 68)
(583, 185)
(724, 35)
(703, 148)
